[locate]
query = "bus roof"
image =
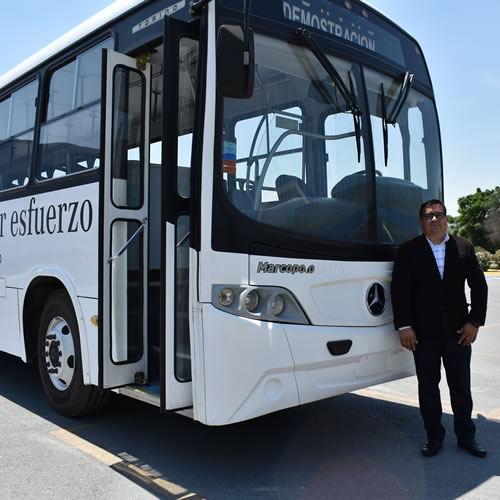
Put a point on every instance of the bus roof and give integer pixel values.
(95, 22)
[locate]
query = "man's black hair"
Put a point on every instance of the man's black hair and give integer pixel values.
(428, 203)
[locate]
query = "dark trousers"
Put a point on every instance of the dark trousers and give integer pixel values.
(456, 360)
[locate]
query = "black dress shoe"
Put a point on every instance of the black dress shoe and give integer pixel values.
(431, 448)
(473, 448)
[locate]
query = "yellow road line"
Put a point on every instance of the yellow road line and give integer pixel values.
(486, 354)
(491, 326)
(493, 414)
(395, 398)
(90, 449)
(372, 393)
(149, 478)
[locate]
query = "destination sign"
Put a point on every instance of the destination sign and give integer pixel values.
(343, 23)
(345, 20)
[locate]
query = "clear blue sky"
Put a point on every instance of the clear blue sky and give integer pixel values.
(459, 40)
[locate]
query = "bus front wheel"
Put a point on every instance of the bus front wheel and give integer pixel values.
(59, 360)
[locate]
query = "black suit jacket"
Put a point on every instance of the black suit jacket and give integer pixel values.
(432, 306)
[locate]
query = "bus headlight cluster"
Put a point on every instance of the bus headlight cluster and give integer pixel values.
(263, 303)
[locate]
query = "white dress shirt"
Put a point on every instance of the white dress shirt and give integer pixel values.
(439, 251)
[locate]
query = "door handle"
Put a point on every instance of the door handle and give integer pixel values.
(140, 229)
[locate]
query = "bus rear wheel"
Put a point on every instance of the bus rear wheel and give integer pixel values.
(59, 360)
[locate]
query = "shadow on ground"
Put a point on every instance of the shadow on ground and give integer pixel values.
(346, 447)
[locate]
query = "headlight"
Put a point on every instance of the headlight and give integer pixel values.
(265, 303)
(277, 305)
(252, 300)
(226, 297)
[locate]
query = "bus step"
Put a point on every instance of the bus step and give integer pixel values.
(145, 393)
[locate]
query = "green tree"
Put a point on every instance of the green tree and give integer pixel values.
(492, 226)
(452, 224)
(474, 211)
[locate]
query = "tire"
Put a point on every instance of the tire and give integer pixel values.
(59, 360)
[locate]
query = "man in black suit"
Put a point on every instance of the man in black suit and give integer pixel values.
(434, 321)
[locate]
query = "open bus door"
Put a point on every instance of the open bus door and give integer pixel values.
(124, 223)
(178, 264)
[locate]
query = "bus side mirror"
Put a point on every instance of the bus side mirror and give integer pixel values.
(235, 63)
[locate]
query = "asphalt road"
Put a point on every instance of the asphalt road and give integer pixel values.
(359, 445)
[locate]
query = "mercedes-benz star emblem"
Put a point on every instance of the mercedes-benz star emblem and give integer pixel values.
(376, 299)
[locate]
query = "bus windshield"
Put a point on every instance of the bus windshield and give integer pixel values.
(295, 155)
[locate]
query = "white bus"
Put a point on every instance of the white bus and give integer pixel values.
(200, 203)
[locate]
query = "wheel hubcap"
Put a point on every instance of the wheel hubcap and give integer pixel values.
(59, 353)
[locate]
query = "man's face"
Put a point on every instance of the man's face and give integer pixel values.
(434, 222)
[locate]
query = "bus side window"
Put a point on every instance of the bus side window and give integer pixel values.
(188, 57)
(70, 134)
(127, 162)
(417, 147)
(17, 118)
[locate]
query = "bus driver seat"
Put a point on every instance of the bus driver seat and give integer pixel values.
(289, 187)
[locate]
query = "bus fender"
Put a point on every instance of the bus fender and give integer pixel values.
(67, 284)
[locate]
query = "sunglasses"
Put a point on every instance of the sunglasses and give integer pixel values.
(430, 215)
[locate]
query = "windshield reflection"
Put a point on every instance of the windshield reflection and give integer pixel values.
(291, 159)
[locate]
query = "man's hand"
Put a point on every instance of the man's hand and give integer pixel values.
(408, 339)
(468, 334)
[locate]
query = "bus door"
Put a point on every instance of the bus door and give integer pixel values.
(124, 224)
(179, 263)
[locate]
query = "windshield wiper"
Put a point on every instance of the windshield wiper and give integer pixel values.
(356, 114)
(403, 95)
(396, 109)
(347, 95)
(384, 124)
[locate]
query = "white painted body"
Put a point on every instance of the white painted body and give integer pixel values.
(69, 254)
(241, 368)
(244, 368)
(254, 367)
